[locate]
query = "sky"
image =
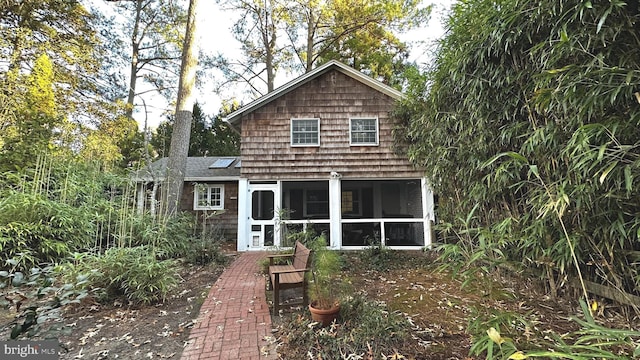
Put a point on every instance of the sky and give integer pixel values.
(214, 35)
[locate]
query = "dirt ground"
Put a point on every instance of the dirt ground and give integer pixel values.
(117, 331)
(122, 331)
(432, 300)
(439, 306)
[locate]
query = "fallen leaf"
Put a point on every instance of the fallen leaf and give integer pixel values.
(494, 335)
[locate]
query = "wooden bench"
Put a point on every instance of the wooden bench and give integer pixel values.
(290, 276)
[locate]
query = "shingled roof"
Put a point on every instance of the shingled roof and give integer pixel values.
(213, 168)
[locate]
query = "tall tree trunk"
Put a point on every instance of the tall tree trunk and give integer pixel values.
(177, 162)
(269, 60)
(135, 52)
(311, 30)
(269, 39)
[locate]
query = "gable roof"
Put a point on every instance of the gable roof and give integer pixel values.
(235, 116)
(213, 168)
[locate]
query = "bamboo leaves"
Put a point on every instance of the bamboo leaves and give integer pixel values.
(530, 115)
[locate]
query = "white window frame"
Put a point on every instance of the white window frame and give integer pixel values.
(317, 120)
(377, 130)
(198, 187)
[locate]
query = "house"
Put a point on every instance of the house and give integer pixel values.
(210, 190)
(317, 152)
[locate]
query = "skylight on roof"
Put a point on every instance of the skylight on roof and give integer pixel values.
(222, 163)
(239, 164)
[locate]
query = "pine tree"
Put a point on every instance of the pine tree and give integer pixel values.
(176, 165)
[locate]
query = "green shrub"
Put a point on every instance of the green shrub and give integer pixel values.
(169, 238)
(380, 258)
(373, 320)
(173, 238)
(295, 232)
(36, 230)
(203, 252)
(133, 273)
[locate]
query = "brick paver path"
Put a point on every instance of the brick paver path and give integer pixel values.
(234, 321)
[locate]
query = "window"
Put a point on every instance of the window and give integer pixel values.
(363, 131)
(208, 197)
(305, 132)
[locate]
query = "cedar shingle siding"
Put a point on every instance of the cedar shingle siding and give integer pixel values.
(199, 170)
(227, 221)
(334, 98)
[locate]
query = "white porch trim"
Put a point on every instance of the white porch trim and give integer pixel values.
(335, 210)
(335, 215)
(428, 211)
(244, 206)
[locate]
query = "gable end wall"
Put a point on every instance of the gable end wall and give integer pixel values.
(333, 98)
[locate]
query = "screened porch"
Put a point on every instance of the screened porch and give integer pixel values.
(372, 212)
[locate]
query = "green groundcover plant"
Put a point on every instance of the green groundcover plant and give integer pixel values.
(134, 273)
(365, 328)
(591, 341)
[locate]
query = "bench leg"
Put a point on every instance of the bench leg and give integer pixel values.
(305, 295)
(276, 298)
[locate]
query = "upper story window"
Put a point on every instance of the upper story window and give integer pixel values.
(305, 132)
(208, 197)
(363, 131)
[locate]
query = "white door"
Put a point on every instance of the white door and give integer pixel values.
(265, 200)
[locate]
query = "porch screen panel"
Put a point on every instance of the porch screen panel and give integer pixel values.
(287, 230)
(268, 235)
(401, 199)
(317, 202)
(404, 234)
(360, 234)
(357, 200)
(306, 199)
(262, 205)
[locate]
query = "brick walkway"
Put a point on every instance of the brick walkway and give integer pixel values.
(234, 319)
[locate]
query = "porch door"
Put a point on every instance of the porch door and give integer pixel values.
(265, 199)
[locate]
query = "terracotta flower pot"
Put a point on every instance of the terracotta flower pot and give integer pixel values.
(325, 317)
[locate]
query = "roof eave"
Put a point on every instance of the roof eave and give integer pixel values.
(190, 178)
(212, 178)
(232, 125)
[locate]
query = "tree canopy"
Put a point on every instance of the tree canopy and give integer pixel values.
(210, 136)
(154, 29)
(31, 132)
(57, 87)
(278, 36)
(528, 125)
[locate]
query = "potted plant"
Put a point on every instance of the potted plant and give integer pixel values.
(325, 287)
